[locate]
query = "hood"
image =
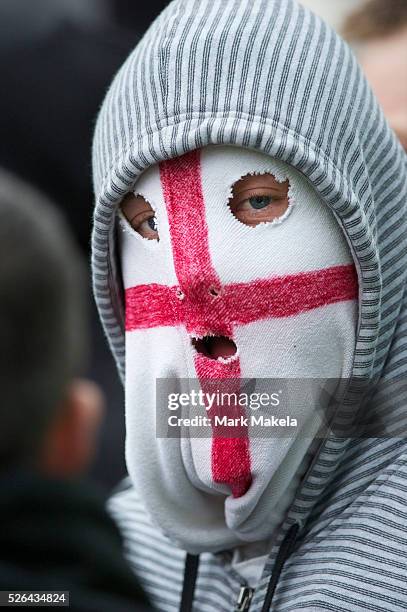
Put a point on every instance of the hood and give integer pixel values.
(267, 75)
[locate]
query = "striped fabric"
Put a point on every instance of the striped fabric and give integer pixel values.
(269, 75)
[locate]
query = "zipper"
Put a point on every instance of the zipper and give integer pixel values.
(284, 552)
(244, 599)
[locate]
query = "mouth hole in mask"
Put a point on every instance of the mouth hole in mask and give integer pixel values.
(219, 348)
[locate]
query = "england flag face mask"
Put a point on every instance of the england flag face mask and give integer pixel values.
(233, 269)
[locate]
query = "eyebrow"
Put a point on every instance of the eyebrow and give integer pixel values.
(278, 187)
(130, 200)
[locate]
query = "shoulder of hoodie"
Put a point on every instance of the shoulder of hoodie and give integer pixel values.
(386, 492)
(127, 509)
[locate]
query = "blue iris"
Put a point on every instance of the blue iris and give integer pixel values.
(259, 202)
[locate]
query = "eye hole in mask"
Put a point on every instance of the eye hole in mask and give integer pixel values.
(259, 198)
(140, 216)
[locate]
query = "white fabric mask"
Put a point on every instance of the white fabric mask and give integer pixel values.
(284, 291)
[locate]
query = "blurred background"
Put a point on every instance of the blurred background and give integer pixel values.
(57, 58)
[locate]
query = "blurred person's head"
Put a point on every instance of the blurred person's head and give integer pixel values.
(379, 31)
(48, 416)
(332, 11)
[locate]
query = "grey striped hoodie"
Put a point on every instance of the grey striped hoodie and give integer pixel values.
(270, 75)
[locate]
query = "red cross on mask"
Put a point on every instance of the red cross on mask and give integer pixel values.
(203, 305)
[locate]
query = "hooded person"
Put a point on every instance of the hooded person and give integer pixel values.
(250, 225)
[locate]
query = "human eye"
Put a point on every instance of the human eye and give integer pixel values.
(259, 199)
(256, 202)
(139, 214)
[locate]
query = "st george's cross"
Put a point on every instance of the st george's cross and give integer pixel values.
(207, 307)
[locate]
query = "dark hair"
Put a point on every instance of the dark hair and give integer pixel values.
(42, 322)
(375, 19)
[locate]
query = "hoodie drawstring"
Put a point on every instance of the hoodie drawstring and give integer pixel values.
(188, 588)
(192, 564)
(283, 554)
